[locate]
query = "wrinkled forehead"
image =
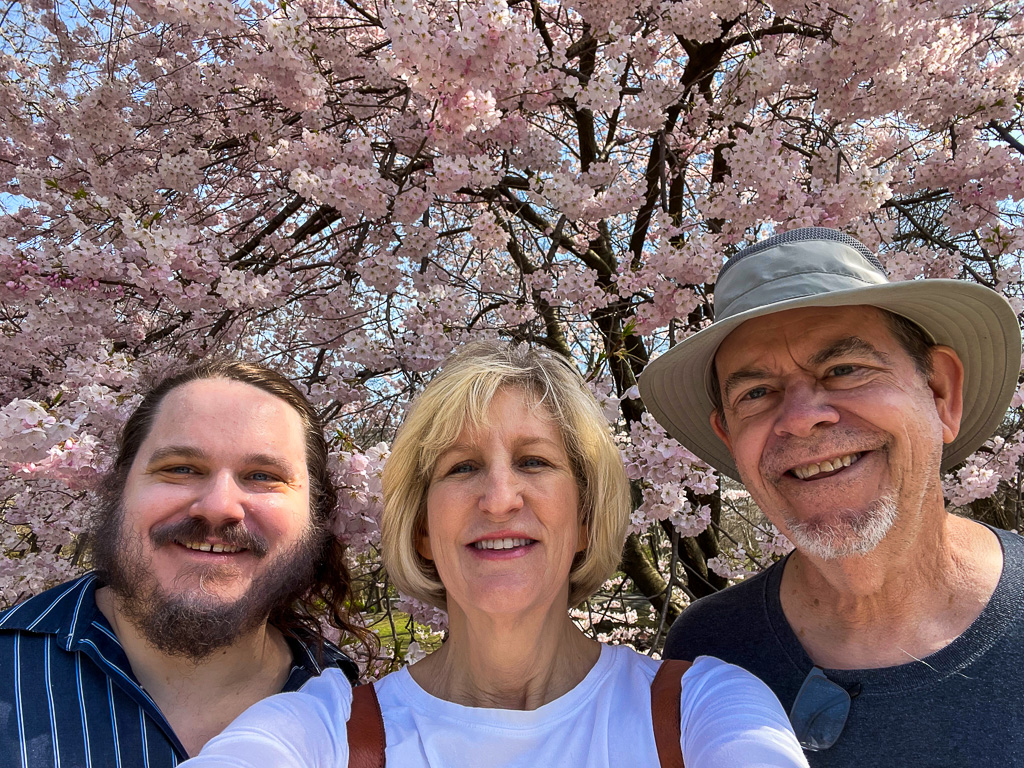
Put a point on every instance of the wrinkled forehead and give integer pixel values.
(809, 326)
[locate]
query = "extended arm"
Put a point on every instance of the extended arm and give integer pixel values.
(731, 719)
(303, 729)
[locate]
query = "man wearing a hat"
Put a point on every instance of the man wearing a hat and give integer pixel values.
(893, 633)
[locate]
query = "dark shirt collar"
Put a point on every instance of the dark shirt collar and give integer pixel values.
(67, 611)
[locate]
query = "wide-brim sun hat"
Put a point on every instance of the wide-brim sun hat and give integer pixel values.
(817, 267)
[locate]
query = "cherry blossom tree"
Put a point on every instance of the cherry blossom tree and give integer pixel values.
(349, 190)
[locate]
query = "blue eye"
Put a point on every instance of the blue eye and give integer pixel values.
(842, 370)
(534, 462)
(756, 393)
(262, 477)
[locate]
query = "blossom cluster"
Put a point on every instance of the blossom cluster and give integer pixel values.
(360, 498)
(669, 475)
(980, 476)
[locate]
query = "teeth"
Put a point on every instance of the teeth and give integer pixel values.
(501, 543)
(810, 470)
(203, 547)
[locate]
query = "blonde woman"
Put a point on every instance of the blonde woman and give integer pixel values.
(506, 503)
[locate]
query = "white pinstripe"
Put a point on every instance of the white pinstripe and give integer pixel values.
(85, 715)
(145, 738)
(78, 607)
(17, 701)
(47, 649)
(113, 722)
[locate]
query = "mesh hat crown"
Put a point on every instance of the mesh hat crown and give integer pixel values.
(817, 267)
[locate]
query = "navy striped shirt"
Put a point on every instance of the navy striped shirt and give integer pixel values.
(68, 697)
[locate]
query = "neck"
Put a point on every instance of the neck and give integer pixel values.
(507, 662)
(200, 697)
(912, 596)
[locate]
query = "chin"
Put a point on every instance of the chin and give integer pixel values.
(508, 603)
(846, 533)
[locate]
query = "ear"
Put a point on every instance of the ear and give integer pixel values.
(947, 386)
(720, 429)
(583, 540)
(422, 537)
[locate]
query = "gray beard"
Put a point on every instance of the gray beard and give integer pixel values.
(192, 625)
(851, 534)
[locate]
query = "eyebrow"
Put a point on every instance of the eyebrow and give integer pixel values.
(285, 468)
(737, 378)
(527, 442)
(840, 348)
(847, 346)
(175, 451)
(523, 443)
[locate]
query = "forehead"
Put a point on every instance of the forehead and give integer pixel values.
(225, 414)
(512, 409)
(802, 332)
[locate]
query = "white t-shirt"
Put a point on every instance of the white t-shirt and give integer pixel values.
(730, 719)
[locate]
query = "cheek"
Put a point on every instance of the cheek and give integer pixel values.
(747, 447)
(281, 518)
(142, 511)
(432, 527)
(158, 501)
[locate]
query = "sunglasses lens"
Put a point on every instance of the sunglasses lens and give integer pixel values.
(819, 712)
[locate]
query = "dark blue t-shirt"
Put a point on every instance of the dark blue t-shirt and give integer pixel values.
(961, 706)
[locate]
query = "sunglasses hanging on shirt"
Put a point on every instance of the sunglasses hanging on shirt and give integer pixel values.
(819, 711)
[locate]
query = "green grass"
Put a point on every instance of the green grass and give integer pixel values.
(396, 630)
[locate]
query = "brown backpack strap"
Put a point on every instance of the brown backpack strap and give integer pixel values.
(366, 729)
(665, 693)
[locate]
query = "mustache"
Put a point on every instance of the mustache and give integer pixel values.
(195, 530)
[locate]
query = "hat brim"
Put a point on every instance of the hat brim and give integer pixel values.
(975, 321)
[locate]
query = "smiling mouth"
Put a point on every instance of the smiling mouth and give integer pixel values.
(218, 548)
(501, 543)
(826, 467)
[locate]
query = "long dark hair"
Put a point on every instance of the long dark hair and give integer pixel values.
(330, 594)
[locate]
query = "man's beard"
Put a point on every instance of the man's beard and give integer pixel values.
(193, 624)
(847, 533)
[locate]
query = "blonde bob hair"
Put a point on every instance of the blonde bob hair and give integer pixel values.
(459, 397)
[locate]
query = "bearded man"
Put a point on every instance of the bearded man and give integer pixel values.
(892, 633)
(214, 565)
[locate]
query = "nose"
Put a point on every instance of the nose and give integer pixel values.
(220, 501)
(805, 406)
(502, 494)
